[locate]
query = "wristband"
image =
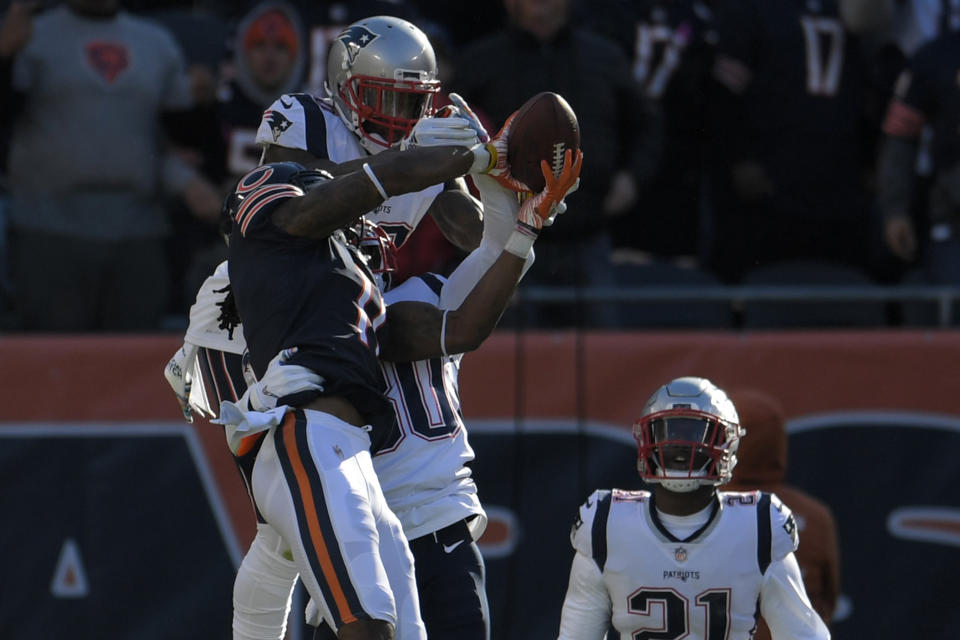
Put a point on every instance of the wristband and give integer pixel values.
(520, 241)
(443, 333)
(484, 158)
(373, 178)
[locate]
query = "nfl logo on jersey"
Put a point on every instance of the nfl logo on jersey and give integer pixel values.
(680, 554)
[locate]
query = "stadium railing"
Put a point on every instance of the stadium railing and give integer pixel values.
(944, 298)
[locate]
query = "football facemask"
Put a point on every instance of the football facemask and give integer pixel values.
(687, 436)
(381, 76)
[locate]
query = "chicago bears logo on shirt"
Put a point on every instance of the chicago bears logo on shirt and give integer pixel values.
(278, 123)
(108, 59)
(356, 38)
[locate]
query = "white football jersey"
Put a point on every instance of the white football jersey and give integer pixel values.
(423, 469)
(204, 328)
(632, 574)
(301, 121)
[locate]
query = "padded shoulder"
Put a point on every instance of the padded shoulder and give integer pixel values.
(589, 533)
(294, 121)
(783, 526)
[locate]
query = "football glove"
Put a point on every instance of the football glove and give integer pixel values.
(499, 168)
(178, 373)
(561, 207)
(439, 131)
(465, 112)
(540, 210)
(280, 379)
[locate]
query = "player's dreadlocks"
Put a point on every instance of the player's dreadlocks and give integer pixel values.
(229, 317)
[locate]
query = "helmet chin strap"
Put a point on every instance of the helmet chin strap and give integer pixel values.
(371, 145)
(680, 485)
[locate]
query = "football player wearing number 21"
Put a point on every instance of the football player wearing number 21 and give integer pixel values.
(686, 560)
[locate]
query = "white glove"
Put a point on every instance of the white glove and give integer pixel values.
(280, 379)
(464, 111)
(179, 376)
(434, 132)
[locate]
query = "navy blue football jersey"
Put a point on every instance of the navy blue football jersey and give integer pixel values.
(804, 102)
(313, 294)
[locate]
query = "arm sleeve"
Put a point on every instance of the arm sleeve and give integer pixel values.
(912, 105)
(586, 608)
(500, 208)
(785, 606)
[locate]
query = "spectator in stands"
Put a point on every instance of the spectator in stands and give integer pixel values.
(541, 50)
(670, 43)
(762, 464)
(927, 94)
(269, 57)
(268, 61)
(327, 18)
(916, 22)
(789, 163)
(86, 86)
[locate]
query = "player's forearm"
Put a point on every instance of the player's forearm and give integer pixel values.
(785, 606)
(473, 322)
(421, 167)
(417, 331)
(329, 206)
(586, 608)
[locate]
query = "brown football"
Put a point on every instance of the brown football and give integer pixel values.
(544, 127)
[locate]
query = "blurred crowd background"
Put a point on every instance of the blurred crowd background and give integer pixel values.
(728, 143)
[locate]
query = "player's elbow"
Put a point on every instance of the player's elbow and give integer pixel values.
(463, 336)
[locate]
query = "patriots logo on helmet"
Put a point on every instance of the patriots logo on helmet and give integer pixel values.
(355, 38)
(278, 123)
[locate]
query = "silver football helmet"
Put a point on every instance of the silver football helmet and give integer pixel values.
(377, 248)
(381, 76)
(687, 435)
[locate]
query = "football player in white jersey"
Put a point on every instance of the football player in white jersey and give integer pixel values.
(686, 560)
(381, 82)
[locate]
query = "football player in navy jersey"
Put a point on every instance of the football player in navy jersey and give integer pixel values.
(423, 469)
(709, 560)
(411, 333)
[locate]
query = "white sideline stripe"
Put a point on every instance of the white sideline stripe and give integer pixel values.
(562, 426)
(874, 418)
(152, 430)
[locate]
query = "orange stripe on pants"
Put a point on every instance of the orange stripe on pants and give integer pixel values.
(313, 523)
